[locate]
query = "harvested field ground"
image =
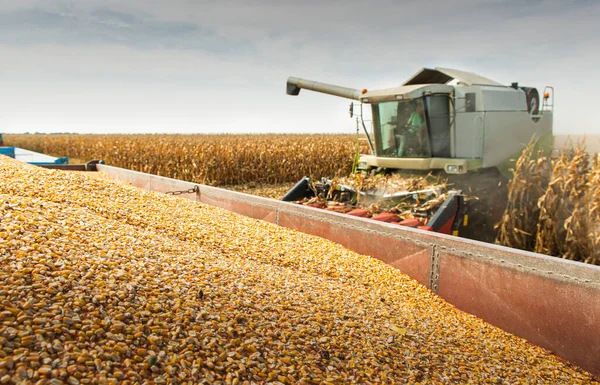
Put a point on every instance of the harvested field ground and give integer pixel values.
(106, 283)
(274, 191)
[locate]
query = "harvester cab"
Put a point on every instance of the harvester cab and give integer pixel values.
(454, 123)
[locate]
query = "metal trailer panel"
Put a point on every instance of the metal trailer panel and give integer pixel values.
(503, 99)
(469, 128)
(507, 133)
(35, 157)
(564, 309)
(551, 302)
(7, 151)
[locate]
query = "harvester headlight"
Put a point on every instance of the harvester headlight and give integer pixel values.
(455, 169)
(362, 165)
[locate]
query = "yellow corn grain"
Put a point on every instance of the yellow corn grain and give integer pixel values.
(180, 292)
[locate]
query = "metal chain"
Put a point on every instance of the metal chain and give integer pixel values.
(190, 191)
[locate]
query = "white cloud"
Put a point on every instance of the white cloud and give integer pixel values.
(188, 66)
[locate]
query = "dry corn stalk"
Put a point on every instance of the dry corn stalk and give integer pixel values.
(564, 221)
(391, 183)
(576, 243)
(550, 229)
(593, 214)
(518, 225)
(375, 202)
(209, 159)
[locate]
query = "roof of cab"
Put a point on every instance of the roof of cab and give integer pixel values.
(428, 80)
(444, 75)
(404, 92)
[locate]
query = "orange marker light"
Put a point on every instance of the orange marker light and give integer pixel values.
(546, 95)
(364, 91)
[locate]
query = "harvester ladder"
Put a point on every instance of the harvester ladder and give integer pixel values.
(548, 99)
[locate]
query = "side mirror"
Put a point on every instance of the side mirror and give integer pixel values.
(351, 109)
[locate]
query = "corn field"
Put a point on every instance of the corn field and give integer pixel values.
(209, 159)
(554, 202)
(554, 205)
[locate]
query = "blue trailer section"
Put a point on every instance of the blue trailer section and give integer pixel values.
(7, 151)
(47, 161)
(31, 157)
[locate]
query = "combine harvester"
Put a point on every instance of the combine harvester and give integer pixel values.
(450, 123)
(551, 302)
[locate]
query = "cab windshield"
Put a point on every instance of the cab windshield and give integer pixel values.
(418, 128)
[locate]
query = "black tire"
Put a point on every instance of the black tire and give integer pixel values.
(533, 100)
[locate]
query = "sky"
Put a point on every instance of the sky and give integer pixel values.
(146, 66)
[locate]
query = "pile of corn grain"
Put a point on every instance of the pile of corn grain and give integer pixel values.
(102, 283)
